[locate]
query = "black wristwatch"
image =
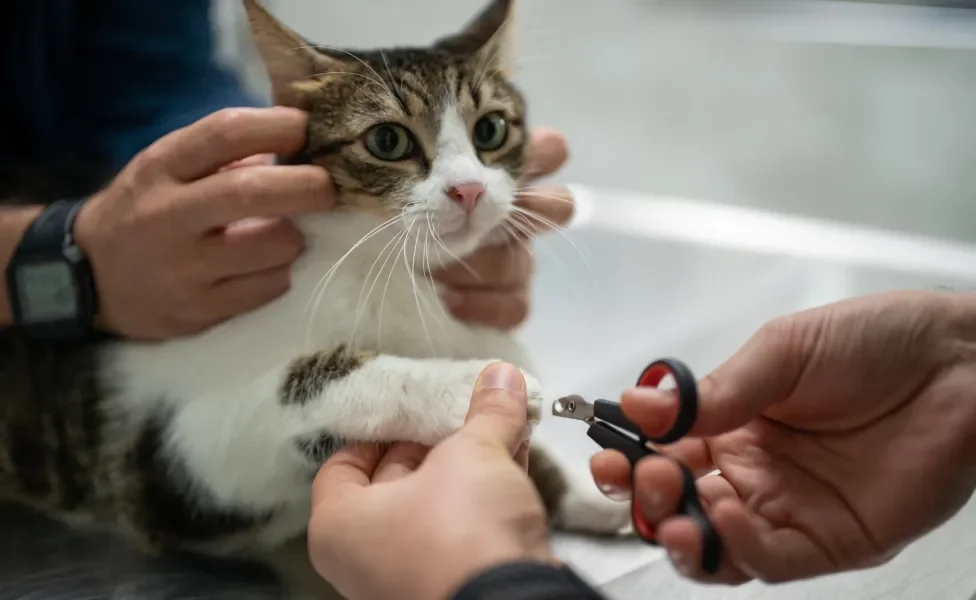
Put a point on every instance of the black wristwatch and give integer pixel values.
(49, 279)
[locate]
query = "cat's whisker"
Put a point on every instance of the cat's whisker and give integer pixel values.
(529, 217)
(548, 223)
(416, 296)
(390, 73)
(456, 258)
(351, 55)
(428, 269)
(523, 231)
(323, 280)
(527, 192)
(360, 75)
(318, 291)
(364, 302)
(379, 325)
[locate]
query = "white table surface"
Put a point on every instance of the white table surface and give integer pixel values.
(636, 278)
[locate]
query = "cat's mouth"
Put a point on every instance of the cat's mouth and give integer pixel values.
(459, 233)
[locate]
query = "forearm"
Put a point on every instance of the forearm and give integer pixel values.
(526, 581)
(13, 222)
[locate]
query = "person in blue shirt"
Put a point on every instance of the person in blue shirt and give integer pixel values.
(133, 90)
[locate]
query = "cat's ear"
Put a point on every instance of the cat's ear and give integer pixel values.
(490, 36)
(289, 59)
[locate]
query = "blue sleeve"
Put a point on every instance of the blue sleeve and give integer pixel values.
(145, 69)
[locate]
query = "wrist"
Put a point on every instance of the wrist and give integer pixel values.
(86, 238)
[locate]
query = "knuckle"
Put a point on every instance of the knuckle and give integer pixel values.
(779, 332)
(292, 241)
(242, 186)
(150, 160)
(315, 179)
(275, 284)
(225, 125)
(520, 310)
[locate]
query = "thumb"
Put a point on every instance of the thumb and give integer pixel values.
(497, 414)
(764, 371)
(349, 468)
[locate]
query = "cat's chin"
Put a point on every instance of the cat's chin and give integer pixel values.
(468, 239)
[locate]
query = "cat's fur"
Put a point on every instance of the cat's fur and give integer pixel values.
(209, 442)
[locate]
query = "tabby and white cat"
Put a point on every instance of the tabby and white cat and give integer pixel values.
(209, 442)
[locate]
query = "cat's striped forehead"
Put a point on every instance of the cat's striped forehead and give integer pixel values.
(413, 86)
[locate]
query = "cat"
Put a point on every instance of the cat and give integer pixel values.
(208, 443)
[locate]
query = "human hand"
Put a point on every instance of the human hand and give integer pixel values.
(178, 242)
(406, 523)
(842, 434)
(491, 287)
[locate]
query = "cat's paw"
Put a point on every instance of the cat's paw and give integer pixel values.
(455, 398)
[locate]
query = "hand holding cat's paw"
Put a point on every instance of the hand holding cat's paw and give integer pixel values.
(476, 375)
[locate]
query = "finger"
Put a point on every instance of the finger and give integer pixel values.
(612, 474)
(250, 161)
(229, 135)
(256, 191)
(658, 486)
(400, 460)
(542, 208)
(249, 247)
(497, 415)
(654, 410)
(546, 153)
(501, 309)
(349, 468)
(491, 267)
(763, 372)
(714, 488)
(694, 453)
(238, 295)
(682, 539)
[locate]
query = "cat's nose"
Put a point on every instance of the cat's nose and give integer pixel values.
(466, 195)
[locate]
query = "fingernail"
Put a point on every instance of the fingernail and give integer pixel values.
(452, 299)
(615, 493)
(501, 376)
(680, 563)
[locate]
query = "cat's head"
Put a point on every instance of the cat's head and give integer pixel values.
(434, 136)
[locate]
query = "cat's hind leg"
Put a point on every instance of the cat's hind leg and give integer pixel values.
(572, 500)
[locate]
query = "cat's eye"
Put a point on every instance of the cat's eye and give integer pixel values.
(490, 132)
(389, 141)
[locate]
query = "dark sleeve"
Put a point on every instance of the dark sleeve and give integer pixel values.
(527, 581)
(145, 69)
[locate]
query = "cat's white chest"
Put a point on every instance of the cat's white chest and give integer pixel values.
(362, 294)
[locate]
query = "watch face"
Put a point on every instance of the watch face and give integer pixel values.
(46, 291)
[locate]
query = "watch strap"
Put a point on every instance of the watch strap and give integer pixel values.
(56, 222)
(51, 234)
(527, 581)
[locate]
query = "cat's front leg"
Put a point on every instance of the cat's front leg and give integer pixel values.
(358, 396)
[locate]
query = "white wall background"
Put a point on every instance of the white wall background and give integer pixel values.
(860, 112)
